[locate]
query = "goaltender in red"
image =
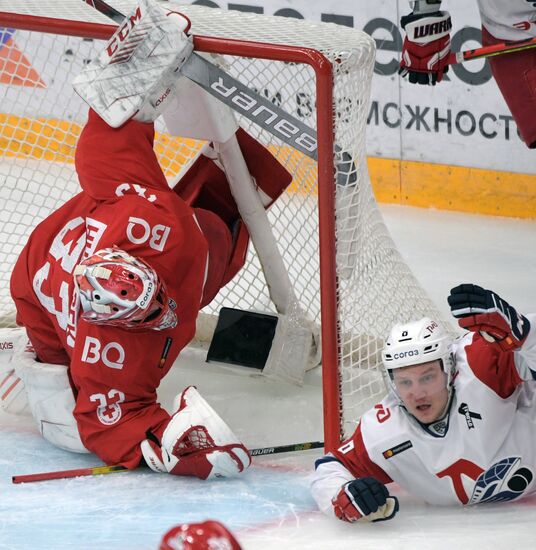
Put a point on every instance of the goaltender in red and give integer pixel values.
(109, 287)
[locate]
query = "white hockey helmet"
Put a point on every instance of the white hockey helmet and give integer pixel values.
(416, 343)
(118, 289)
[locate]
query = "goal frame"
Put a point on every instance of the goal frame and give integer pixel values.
(325, 162)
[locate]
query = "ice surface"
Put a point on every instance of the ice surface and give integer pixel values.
(270, 507)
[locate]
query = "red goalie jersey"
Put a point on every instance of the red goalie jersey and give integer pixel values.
(125, 202)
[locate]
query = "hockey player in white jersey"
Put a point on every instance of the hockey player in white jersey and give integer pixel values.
(427, 46)
(458, 424)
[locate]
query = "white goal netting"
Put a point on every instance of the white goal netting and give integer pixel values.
(353, 304)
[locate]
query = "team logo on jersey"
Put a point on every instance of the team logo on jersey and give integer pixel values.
(504, 480)
(469, 415)
(109, 409)
(389, 453)
(439, 428)
(382, 414)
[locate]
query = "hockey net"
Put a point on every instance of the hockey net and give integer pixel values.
(348, 276)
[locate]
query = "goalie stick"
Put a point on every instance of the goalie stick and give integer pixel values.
(100, 470)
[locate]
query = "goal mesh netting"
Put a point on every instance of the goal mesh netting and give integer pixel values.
(361, 286)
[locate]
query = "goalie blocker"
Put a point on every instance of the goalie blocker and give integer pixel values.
(136, 72)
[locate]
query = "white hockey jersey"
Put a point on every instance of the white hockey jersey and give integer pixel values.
(509, 19)
(485, 450)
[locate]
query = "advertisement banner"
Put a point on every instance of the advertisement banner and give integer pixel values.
(451, 146)
(463, 121)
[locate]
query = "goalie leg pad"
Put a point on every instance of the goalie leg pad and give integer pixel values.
(51, 401)
(138, 69)
(196, 442)
(13, 397)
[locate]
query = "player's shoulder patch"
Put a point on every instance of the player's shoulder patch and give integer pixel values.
(397, 449)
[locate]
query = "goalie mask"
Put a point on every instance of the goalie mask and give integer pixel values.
(118, 289)
(209, 535)
(416, 343)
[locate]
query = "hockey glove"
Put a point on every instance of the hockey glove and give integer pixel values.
(426, 47)
(196, 442)
(364, 499)
(481, 310)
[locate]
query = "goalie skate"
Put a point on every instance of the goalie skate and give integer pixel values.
(138, 69)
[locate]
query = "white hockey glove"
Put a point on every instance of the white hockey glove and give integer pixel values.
(139, 68)
(364, 499)
(196, 442)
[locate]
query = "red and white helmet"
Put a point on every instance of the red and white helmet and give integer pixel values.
(118, 289)
(209, 535)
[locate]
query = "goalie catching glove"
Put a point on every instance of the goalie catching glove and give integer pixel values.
(364, 499)
(426, 47)
(196, 442)
(139, 67)
(481, 310)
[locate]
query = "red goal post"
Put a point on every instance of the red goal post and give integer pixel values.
(347, 274)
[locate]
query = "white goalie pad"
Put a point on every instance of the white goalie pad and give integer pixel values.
(295, 349)
(13, 397)
(138, 69)
(51, 401)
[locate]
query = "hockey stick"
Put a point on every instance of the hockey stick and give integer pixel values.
(491, 51)
(287, 448)
(100, 470)
(64, 474)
